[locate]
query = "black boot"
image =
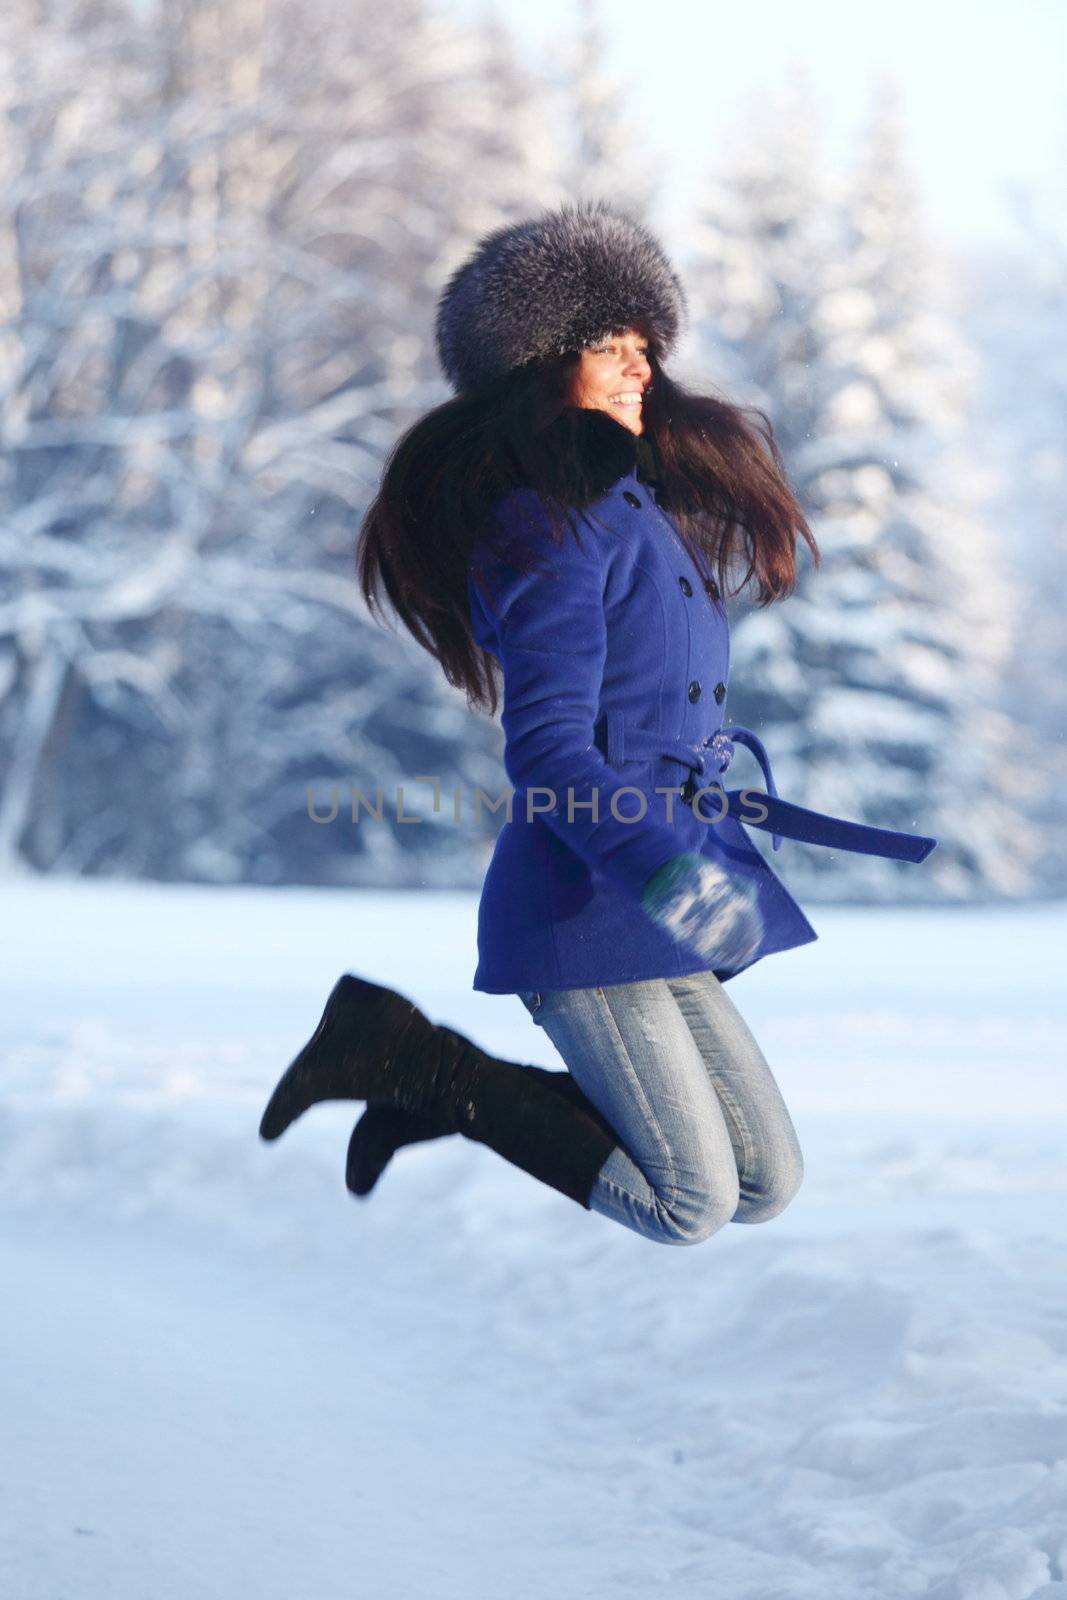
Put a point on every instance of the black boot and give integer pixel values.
(374, 1044)
(383, 1130)
(380, 1132)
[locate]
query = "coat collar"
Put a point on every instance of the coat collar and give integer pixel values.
(590, 453)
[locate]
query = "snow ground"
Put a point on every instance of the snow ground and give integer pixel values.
(221, 1373)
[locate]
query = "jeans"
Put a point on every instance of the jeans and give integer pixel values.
(705, 1137)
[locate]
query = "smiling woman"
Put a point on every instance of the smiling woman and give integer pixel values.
(613, 375)
(532, 543)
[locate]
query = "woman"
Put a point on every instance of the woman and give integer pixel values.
(555, 526)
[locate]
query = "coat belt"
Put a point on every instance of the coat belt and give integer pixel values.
(620, 742)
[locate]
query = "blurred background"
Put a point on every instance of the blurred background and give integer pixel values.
(224, 226)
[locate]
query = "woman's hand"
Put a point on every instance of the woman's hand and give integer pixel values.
(712, 912)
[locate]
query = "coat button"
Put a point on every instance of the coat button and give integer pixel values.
(630, 498)
(684, 584)
(720, 693)
(694, 691)
(712, 587)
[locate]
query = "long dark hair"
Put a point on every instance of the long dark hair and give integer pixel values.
(719, 469)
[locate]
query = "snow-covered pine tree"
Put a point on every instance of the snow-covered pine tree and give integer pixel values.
(227, 224)
(378, 122)
(1016, 314)
(878, 686)
(603, 159)
(85, 556)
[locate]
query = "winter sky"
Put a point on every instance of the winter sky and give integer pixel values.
(982, 85)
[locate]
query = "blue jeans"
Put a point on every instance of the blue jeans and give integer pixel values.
(705, 1137)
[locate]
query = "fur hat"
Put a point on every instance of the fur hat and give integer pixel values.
(551, 284)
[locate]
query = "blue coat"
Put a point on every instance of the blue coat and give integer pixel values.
(616, 670)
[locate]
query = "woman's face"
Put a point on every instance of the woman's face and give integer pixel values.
(611, 376)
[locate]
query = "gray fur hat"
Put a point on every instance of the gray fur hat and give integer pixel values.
(554, 283)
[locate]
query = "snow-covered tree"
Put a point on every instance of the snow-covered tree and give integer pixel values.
(879, 684)
(604, 155)
(1016, 310)
(224, 228)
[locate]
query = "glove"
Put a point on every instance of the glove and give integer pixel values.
(712, 912)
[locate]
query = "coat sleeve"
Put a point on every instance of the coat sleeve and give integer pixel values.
(548, 630)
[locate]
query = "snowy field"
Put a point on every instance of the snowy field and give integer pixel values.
(225, 1376)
